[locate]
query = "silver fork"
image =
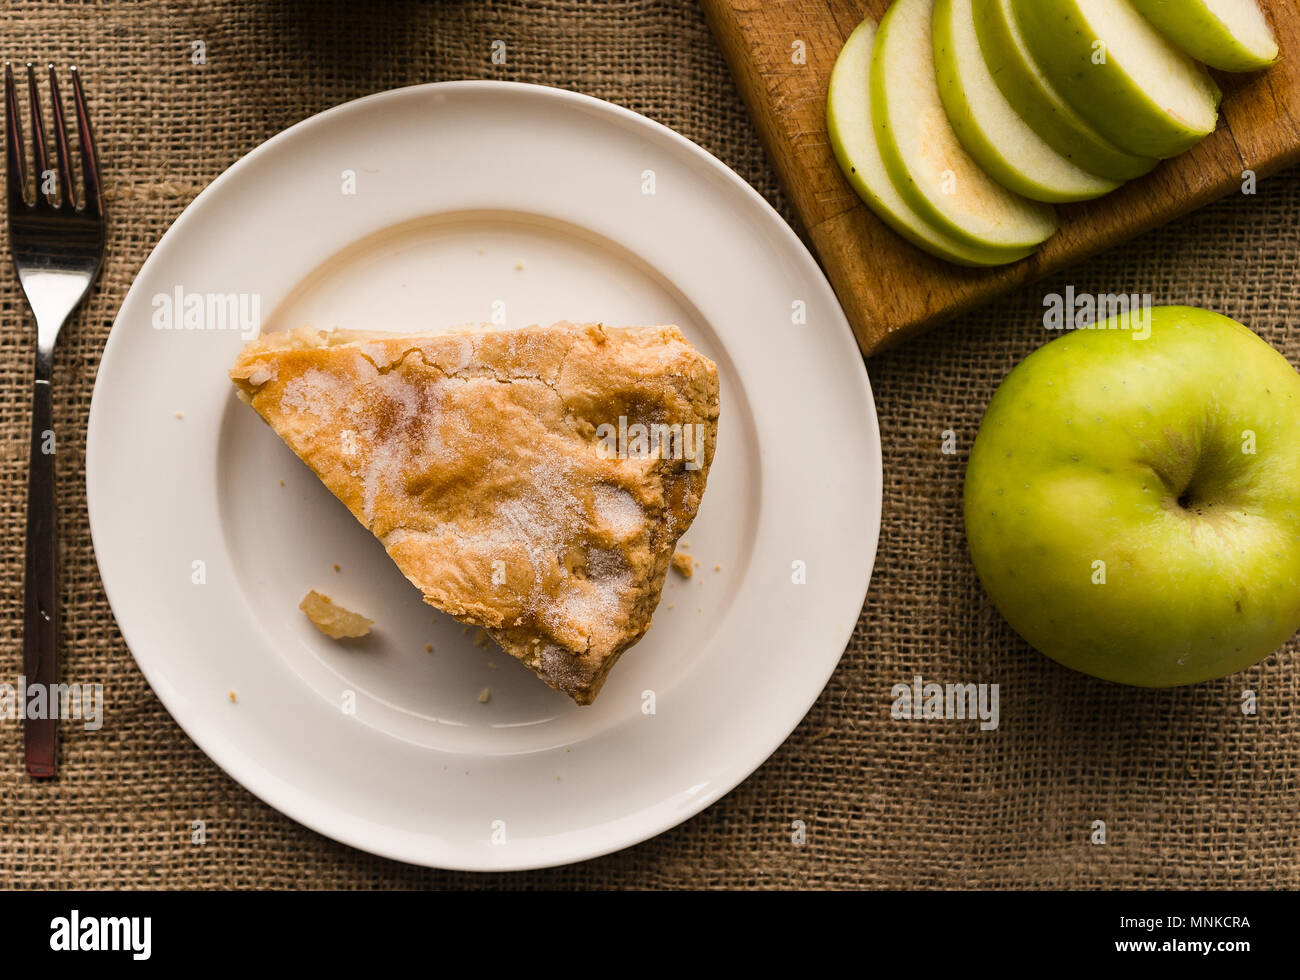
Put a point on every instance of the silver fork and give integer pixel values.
(57, 248)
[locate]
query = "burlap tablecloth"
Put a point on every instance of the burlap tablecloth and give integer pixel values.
(1192, 792)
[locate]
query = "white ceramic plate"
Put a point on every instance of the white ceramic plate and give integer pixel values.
(475, 198)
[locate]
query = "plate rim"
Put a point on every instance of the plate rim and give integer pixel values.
(285, 797)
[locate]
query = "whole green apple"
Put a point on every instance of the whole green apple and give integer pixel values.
(1132, 499)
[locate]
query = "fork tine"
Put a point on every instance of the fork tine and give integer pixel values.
(38, 135)
(93, 199)
(66, 194)
(17, 168)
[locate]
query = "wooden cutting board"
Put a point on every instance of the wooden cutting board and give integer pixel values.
(782, 51)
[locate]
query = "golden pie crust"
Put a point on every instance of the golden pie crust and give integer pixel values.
(503, 471)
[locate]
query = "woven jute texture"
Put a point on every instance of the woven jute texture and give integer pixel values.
(1193, 792)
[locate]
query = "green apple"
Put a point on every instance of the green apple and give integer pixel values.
(1229, 34)
(853, 140)
(1032, 94)
(922, 154)
(992, 132)
(1133, 498)
(1121, 74)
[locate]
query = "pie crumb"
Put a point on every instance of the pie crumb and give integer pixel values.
(484, 696)
(428, 648)
(281, 483)
(336, 567)
(519, 266)
(180, 415)
(332, 619)
(683, 564)
(482, 640)
(717, 568)
(233, 699)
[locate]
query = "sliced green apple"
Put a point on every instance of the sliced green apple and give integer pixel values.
(1039, 102)
(1121, 74)
(1229, 34)
(853, 139)
(990, 129)
(922, 154)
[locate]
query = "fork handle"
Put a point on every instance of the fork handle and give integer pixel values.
(40, 604)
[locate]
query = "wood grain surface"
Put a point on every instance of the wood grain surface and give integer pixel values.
(889, 288)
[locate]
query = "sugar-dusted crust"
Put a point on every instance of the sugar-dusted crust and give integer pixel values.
(475, 457)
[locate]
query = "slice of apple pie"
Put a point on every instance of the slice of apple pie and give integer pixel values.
(533, 482)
